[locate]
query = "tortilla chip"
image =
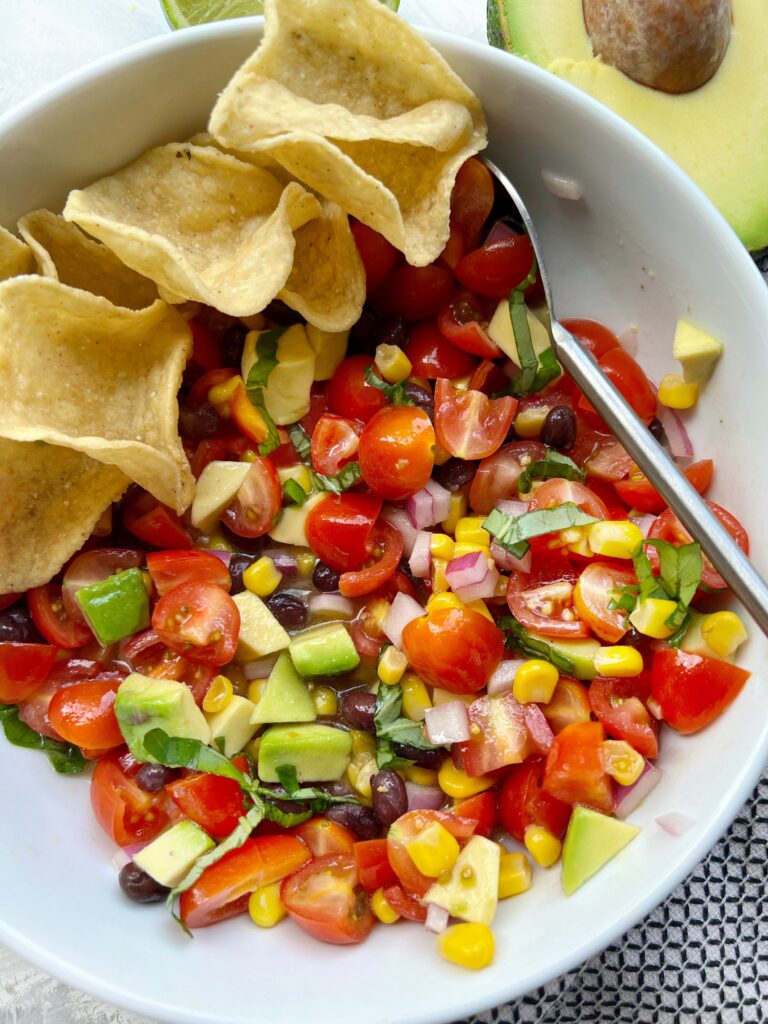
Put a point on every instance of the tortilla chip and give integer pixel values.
(52, 499)
(355, 104)
(97, 378)
(15, 257)
(201, 224)
(62, 251)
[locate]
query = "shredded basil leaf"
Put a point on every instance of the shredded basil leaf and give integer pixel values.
(347, 478)
(679, 577)
(549, 369)
(65, 758)
(552, 465)
(519, 638)
(287, 819)
(289, 780)
(513, 532)
(294, 492)
(529, 364)
(391, 727)
(181, 752)
(396, 393)
(257, 380)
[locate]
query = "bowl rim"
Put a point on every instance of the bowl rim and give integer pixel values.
(61, 91)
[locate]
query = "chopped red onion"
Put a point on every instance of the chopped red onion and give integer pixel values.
(644, 522)
(437, 919)
(675, 823)
(629, 341)
(680, 446)
(420, 562)
(421, 509)
(538, 727)
(654, 707)
(442, 499)
(259, 669)
(467, 570)
(447, 723)
(479, 591)
(284, 561)
(402, 611)
(331, 606)
(508, 562)
(562, 187)
(629, 798)
(504, 676)
(500, 232)
(401, 521)
(511, 507)
(120, 858)
(225, 556)
(424, 798)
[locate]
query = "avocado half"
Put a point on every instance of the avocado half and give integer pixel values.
(718, 133)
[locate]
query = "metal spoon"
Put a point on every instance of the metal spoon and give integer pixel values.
(690, 508)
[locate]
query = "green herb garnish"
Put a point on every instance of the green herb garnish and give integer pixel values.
(678, 580)
(396, 393)
(513, 532)
(348, 476)
(294, 492)
(66, 758)
(552, 465)
(518, 638)
(258, 379)
(391, 728)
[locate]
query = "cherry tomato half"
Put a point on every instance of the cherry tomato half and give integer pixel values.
(628, 377)
(668, 527)
(594, 336)
(522, 802)
(23, 667)
(638, 492)
(620, 704)
(592, 597)
(569, 703)
(214, 802)
(456, 649)
(199, 621)
(126, 812)
(257, 502)
(379, 256)
(83, 714)
(432, 355)
(497, 475)
(154, 523)
(373, 865)
(497, 267)
(574, 772)
(472, 198)
(49, 615)
(170, 569)
(463, 319)
(338, 529)
(547, 610)
(693, 690)
(325, 898)
(350, 395)
(406, 828)
(415, 292)
(385, 546)
(334, 443)
(468, 424)
(397, 451)
(324, 836)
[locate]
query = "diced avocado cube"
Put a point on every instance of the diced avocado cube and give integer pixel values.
(319, 753)
(329, 347)
(286, 697)
(215, 489)
(169, 857)
(291, 526)
(117, 606)
(260, 632)
(231, 728)
(471, 891)
(580, 652)
(142, 704)
(324, 651)
(696, 351)
(287, 393)
(591, 841)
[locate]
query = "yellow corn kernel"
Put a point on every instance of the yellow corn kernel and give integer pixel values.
(514, 874)
(383, 909)
(441, 546)
(256, 689)
(249, 455)
(457, 784)
(468, 945)
(391, 666)
(252, 749)
(262, 577)
(362, 768)
(443, 600)
(465, 548)
(392, 363)
(422, 776)
(219, 695)
(535, 682)
(529, 422)
(621, 662)
(650, 617)
(362, 742)
(445, 697)
(622, 762)
(542, 845)
(216, 542)
(576, 540)
(461, 383)
(265, 906)
(481, 607)
(469, 530)
(415, 697)
(220, 394)
(439, 582)
(614, 538)
(724, 632)
(305, 562)
(324, 700)
(457, 511)
(434, 850)
(677, 393)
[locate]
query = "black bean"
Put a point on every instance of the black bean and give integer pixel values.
(423, 758)
(455, 473)
(632, 638)
(421, 398)
(232, 344)
(325, 578)
(657, 430)
(17, 627)
(289, 610)
(357, 709)
(389, 795)
(198, 423)
(393, 331)
(362, 337)
(139, 886)
(238, 563)
(357, 818)
(559, 430)
(154, 777)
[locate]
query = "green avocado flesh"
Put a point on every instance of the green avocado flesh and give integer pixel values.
(286, 697)
(116, 607)
(327, 651)
(591, 841)
(142, 704)
(718, 133)
(319, 753)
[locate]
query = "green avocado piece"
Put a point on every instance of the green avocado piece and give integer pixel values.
(169, 857)
(286, 697)
(591, 841)
(260, 632)
(319, 753)
(117, 606)
(471, 891)
(702, 130)
(580, 652)
(324, 651)
(142, 704)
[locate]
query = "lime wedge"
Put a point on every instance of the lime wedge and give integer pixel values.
(182, 13)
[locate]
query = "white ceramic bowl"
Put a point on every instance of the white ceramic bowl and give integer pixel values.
(644, 246)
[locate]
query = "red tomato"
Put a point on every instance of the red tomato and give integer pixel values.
(497, 267)
(338, 529)
(522, 802)
(379, 256)
(153, 523)
(595, 589)
(608, 460)
(574, 767)
(386, 547)
(472, 198)
(569, 703)
(547, 566)
(373, 865)
(214, 802)
(49, 615)
(406, 828)
(83, 714)
(594, 336)
(318, 404)
(488, 377)
(483, 809)
(247, 417)
(496, 477)
(415, 292)
(454, 248)
(638, 492)
(668, 527)
(324, 837)
(126, 812)
(456, 649)
(432, 355)
(257, 503)
(92, 567)
(326, 900)
(350, 395)
(23, 667)
(334, 443)
(468, 424)
(620, 704)
(559, 492)
(146, 653)
(628, 377)
(170, 569)
(693, 690)
(397, 451)
(34, 709)
(205, 351)
(6, 600)
(462, 320)
(547, 610)
(200, 621)
(502, 733)
(216, 449)
(198, 393)
(405, 905)
(223, 889)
